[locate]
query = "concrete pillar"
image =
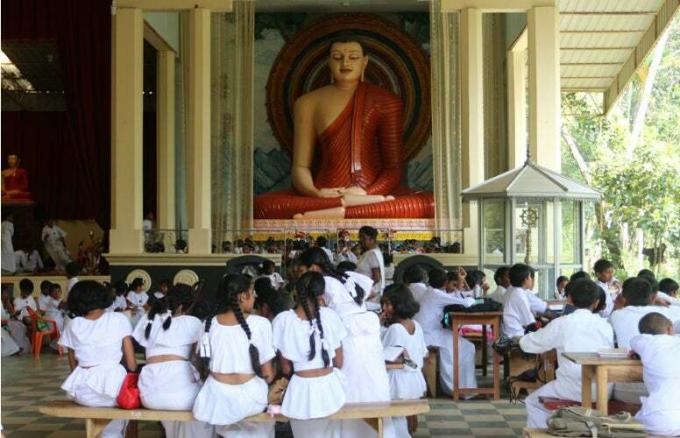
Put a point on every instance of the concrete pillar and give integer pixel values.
(472, 116)
(544, 86)
(127, 30)
(517, 114)
(165, 142)
(198, 122)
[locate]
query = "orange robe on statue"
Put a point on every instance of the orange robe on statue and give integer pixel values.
(362, 147)
(15, 185)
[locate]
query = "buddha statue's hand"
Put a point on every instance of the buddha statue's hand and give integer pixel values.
(329, 192)
(353, 190)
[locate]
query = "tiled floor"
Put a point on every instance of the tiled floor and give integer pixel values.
(28, 383)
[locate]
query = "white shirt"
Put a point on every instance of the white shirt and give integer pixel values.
(177, 340)
(609, 306)
(431, 311)
(498, 294)
(71, 282)
(8, 258)
(28, 262)
(119, 303)
(660, 412)
(396, 335)
(291, 337)
(147, 225)
(625, 322)
(340, 296)
(137, 300)
(328, 252)
(516, 311)
(98, 341)
(53, 235)
(370, 260)
(536, 304)
(229, 345)
(276, 280)
(418, 290)
(21, 304)
(347, 256)
(581, 331)
(667, 298)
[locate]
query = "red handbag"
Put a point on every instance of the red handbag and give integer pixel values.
(128, 397)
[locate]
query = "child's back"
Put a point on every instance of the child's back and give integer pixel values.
(408, 382)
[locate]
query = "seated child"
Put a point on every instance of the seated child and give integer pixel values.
(604, 271)
(659, 351)
(406, 378)
(137, 300)
(25, 301)
(269, 271)
(416, 279)
(169, 381)
(429, 317)
(309, 340)
(54, 306)
(560, 285)
(163, 288)
(17, 330)
(239, 348)
(637, 299)
(581, 331)
(502, 279)
(97, 341)
(120, 303)
(72, 271)
(517, 314)
(668, 291)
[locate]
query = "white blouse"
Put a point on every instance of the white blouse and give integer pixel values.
(137, 300)
(98, 341)
(183, 333)
(229, 345)
(291, 337)
(396, 335)
(340, 296)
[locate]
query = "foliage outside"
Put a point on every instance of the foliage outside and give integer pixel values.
(633, 157)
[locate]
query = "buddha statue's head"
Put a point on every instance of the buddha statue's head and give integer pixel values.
(13, 161)
(347, 59)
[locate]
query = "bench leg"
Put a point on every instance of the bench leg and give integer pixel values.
(94, 427)
(376, 424)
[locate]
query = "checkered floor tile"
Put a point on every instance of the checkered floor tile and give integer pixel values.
(28, 383)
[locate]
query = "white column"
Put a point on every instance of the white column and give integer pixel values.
(165, 141)
(126, 132)
(544, 86)
(472, 116)
(517, 115)
(198, 121)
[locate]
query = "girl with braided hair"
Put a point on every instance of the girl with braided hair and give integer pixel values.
(169, 381)
(239, 349)
(308, 338)
(363, 363)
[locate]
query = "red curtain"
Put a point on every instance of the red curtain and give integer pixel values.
(68, 156)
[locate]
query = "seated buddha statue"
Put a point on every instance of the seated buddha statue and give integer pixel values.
(15, 181)
(352, 131)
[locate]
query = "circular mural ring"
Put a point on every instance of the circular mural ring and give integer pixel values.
(396, 63)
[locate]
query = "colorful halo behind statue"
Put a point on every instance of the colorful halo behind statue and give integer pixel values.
(396, 63)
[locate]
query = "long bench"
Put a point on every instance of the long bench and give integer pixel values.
(97, 418)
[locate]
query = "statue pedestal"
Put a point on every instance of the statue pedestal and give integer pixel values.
(24, 221)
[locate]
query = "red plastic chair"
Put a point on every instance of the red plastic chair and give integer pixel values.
(37, 335)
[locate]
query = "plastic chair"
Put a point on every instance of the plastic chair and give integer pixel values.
(37, 335)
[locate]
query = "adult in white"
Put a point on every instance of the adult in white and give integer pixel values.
(9, 265)
(371, 264)
(363, 362)
(54, 239)
(580, 331)
(429, 317)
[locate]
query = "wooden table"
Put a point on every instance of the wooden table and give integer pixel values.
(603, 371)
(492, 319)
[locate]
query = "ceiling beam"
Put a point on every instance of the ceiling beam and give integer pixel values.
(587, 77)
(661, 21)
(494, 5)
(609, 13)
(175, 5)
(603, 31)
(591, 63)
(596, 48)
(155, 39)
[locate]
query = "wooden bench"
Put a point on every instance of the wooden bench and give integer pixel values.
(97, 418)
(543, 433)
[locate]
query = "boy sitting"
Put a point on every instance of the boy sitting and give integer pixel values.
(659, 351)
(604, 271)
(517, 314)
(581, 331)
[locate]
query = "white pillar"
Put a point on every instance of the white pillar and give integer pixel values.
(472, 116)
(126, 132)
(544, 86)
(165, 141)
(198, 120)
(517, 114)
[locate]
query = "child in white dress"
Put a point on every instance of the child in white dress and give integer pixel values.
(308, 338)
(25, 301)
(659, 350)
(363, 363)
(120, 303)
(44, 294)
(97, 341)
(405, 373)
(169, 381)
(137, 300)
(53, 306)
(240, 350)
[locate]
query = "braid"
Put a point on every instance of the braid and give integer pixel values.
(252, 349)
(157, 308)
(304, 303)
(324, 352)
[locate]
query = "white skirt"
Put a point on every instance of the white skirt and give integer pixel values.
(314, 397)
(406, 384)
(171, 385)
(97, 386)
(222, 404)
